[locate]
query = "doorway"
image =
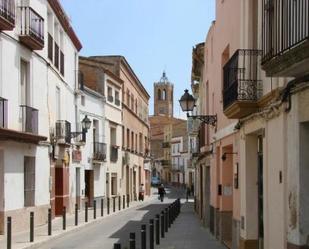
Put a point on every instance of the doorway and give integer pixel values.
(260, 193)
(89, 187)
(107, 185)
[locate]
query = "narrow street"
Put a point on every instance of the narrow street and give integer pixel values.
(116, 229)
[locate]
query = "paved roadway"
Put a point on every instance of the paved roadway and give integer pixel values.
(115, 228)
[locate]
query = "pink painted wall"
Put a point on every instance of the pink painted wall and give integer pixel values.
(222, 40)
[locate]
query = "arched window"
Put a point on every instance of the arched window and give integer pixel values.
(164, 94)
(159, 94)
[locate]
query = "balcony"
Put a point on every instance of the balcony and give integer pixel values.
(114, 154)
(165, 163)
(32, 29)
(63, 132)
(99, 151)
(3, 113)
(7, 14)
(242, 87)
(29, 125)
(30, 122)
(285, 37)
(166, 145)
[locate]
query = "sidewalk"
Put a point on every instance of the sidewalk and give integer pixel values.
(21, 240)
(187, 232)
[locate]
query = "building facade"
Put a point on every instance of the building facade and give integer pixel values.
(257, 150)
(135, 155)
(39, 71)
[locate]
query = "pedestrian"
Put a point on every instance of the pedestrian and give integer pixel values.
(192, 189)
(161, 192)
(188, 193)
(141, 192)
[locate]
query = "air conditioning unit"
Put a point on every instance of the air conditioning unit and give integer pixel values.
(63, 132)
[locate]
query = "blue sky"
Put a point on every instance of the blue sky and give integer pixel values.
(153, 35)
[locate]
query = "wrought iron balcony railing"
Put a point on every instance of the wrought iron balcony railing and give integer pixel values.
(285, 25)
(30, 119)
(7, 14)
(3, 113)
(63, 132)
(99, 151)
(32, 28)
(165, 162)
(166, 145)
(241, 77)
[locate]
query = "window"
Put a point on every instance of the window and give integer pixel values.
(113, 138)
(159, 94)
(128, 139)
(82, 100)
(117, 101)
(24, 83)
(164, 94)
(56, 60)
(132, 140)
(29, 181)
(62, 63)
(58, 105)
(110, 94)
(135, 142)
(128, 98)
(132, 102)
(50, 47)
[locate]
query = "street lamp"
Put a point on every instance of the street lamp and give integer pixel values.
(227, 153)
(86, 124)
(187, 103)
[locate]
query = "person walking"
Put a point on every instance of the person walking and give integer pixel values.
(188, 193)
(141, 192)
(161, 192)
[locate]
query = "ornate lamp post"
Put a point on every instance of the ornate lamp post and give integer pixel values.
(187, 103)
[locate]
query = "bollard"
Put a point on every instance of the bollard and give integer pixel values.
(162, 225)
(172, 214)
(151, 233)
(132, 241)
(143, 237)
(128, 200)
(169, 216)
(86, 211)
(108, 204)
(49, 226)
(123, 202)
(102, 207)
(117, 246)
(119, 202)
(9, 233)
(31, 226)
(76, 214)
(165, 220)
(94, 209)
(64, 218)
(157, 229)
(114, 204)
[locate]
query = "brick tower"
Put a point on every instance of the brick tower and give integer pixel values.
(163, 97)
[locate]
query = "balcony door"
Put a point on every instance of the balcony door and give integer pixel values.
(260, 193)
